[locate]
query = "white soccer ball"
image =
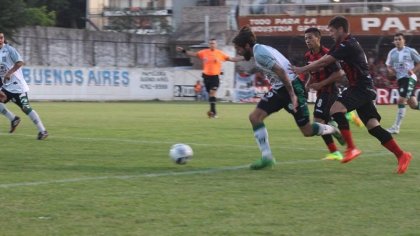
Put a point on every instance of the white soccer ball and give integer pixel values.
(180, 153)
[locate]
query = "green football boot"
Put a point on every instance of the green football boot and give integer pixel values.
(334, 156)
(337, 135)
(263, 163)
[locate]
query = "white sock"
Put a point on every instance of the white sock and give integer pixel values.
(324, 129)
(261, 136)
(6, 112)
(37, 121)
(400, 116)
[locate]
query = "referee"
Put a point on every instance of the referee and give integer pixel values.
(212, 59)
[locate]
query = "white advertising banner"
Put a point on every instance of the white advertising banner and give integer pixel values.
(96, 83)
(113, 84)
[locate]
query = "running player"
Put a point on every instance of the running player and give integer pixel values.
(323, 81)
(403, 62)
(287, 91)
(15, 88)
(360, 94)
(212, 67)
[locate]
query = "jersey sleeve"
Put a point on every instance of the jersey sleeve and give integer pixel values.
(200, 54)
(388, 59)
(415, 55)
(264, 58)
(223, 55)
(14, 55)
(340, 52)
(334, 67)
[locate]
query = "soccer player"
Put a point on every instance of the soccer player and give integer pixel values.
(323, 81)
(212, 59)
(287, 91)
(15, 88)
(403, 62)
(358, 96)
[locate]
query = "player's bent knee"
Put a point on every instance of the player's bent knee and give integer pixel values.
(27, 109)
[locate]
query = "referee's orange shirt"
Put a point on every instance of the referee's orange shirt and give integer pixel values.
(212, 61)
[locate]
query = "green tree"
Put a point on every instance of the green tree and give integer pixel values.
(17, 15)
(40, 16)
(69, 14)
(12, 17)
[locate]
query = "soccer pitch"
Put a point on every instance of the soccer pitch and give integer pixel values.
(105, 170)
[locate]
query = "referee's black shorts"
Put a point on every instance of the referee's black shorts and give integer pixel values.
(211, 82)
(360, 99)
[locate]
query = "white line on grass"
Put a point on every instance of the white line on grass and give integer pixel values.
(113, 140)
(159, 174)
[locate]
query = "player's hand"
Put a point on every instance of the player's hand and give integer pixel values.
(6, 77)
(297, 70)
(315, 86)
(294, 102)
(179, 49)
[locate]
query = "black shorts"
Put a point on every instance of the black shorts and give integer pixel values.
(211, 82)
(275, 100)
(20, 99)
(362, 100)
(406, 87)
(323, 105)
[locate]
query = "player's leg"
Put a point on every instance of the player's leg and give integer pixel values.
(404, 90)
(269, 103)
(334, 153)
(395, 128)
(302, 115)
(370, 116)
(23, 102)
(354, 118)
(14, 120)
(349, 100)
(212, 84)
(212, 101)
(414, 103)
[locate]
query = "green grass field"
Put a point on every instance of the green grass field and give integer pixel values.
(105, 170)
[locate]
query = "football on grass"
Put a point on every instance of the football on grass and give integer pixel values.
(180, 153)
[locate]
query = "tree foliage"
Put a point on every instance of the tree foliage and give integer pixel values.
(69, 13)
(41, 16)
(19, 13)
(12, 17)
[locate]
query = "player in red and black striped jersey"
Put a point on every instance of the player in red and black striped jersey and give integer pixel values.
(360, 94)
(323, 81)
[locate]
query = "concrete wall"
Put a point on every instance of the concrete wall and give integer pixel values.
(75, 47)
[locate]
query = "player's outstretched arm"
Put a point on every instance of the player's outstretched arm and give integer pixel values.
(334, 77)
(188, 53)
(314, 66)
(236, 59)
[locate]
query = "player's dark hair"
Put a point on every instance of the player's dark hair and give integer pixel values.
(314, 31)
(245, 36)
(399, 34)
(339, 21)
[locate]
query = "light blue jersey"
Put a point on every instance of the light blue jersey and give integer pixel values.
(8, 57)
(402, 61)
(266, 57)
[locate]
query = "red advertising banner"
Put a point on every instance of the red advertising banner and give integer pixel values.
(369, 25)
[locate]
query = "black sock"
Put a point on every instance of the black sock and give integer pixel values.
(341, 120)
(212, 101)
(381, 134)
